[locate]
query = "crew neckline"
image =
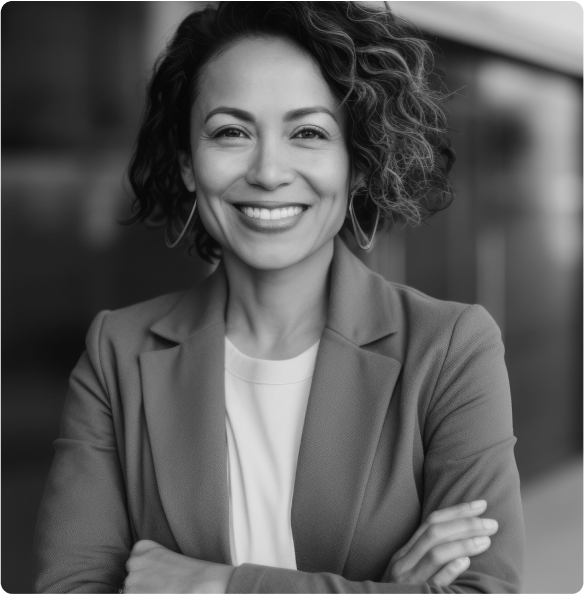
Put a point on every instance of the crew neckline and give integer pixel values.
(266, 371)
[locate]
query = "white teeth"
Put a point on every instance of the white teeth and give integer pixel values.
(276, 213)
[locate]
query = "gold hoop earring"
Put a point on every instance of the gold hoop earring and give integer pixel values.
(360, 236)
(175, 243)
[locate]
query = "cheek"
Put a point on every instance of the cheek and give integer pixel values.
(330, 178)
(212, 179)
(213, 174)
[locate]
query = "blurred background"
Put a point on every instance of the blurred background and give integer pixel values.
(73, 81)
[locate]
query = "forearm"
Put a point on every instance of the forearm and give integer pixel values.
(258, 579)
(83, 533)
(83, 537)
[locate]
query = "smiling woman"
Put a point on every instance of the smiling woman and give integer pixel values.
(294, 423)
(375, 72)
(267, 133)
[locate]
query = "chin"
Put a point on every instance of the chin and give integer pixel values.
(275, 258)
(273, 254)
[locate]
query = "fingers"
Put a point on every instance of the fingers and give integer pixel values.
(452, 530)
(445, 532)
(450, 572)
(443, 542)
(144, 545)
(462, 510)
(138, 553)
(439, 557)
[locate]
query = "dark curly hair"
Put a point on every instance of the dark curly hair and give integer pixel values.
(376, 63)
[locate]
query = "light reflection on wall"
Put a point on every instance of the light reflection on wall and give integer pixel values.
(65, 194)
(103, 205)
(552, 183)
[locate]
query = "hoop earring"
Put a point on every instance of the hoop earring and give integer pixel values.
(360, 236)
(175, 243)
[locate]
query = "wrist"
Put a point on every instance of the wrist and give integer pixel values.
(215, 579)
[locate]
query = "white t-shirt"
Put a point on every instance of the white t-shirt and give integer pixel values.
(265, 407)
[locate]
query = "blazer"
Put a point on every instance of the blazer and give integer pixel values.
(409, 411)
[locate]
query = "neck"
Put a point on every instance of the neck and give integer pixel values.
(277, 314)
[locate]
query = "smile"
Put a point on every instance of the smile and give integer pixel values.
(270, 217)
(270, 213)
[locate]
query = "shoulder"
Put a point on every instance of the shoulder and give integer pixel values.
(429, 327)
(130, 326)
(420, 312)
(141, 316)
(452, 356)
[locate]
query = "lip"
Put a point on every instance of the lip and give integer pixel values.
(269, 225)
(269, 204)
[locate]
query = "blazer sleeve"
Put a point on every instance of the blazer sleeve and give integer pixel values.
(83, 536)
(468, 439)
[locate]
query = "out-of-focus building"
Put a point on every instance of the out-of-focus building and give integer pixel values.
(73, 82)
(512, 239)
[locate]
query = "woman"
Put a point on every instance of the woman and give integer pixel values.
(295, 423)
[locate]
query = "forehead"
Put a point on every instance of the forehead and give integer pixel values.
(264, 75)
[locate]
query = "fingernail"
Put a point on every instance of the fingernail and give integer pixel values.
(489, 524)
(481, 541)
(464, 562)
(478, 503)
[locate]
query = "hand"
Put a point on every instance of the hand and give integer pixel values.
(153, 568)
(439, 550)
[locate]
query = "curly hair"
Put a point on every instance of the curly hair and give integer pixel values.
(376, 63)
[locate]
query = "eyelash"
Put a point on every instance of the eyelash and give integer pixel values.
(320, 134)
(314, 129)
(221, 133)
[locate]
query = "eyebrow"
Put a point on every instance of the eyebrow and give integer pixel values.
(246, 116)
(304, 111)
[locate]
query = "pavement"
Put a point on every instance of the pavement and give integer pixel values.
(552, 508)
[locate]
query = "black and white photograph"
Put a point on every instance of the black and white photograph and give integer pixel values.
(292, 296)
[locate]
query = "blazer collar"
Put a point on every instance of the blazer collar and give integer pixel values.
(355, 293)
(184, 405)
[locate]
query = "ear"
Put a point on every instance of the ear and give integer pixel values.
(186, 170)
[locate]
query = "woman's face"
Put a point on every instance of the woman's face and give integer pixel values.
(269, 157)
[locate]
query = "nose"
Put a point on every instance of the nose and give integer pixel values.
(271, 166)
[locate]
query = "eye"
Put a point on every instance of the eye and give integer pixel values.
(230, 133)
(309, 133)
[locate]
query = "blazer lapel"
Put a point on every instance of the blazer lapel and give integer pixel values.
(184, 403)
(350, 393)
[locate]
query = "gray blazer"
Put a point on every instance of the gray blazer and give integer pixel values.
(409, 412)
